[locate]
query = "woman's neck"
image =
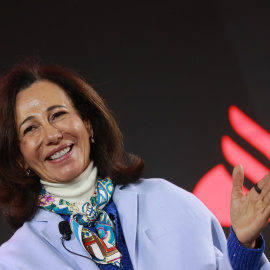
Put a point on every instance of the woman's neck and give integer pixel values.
(80, 189)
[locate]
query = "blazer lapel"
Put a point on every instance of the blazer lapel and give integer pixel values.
(126, 203)
(46, 224)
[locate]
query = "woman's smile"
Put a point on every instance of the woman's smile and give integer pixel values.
(54, 140)
(60, 155)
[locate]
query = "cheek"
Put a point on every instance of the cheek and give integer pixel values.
(27, 150)
(23, 148)
(75, 127)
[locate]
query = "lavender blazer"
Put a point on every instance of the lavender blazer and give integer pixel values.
(165, 227)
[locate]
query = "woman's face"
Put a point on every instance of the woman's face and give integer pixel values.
(54, 140)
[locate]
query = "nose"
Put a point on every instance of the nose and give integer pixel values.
(52, 135)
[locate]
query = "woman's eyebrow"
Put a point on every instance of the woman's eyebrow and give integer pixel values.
(26, 119)
(55, 106)
(48, 109)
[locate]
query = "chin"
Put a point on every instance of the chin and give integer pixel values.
(67, 178)
(67, 174)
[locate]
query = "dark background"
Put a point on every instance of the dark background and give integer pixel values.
(168, 69)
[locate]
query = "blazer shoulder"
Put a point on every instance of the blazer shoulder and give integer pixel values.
(17, 245)
(29, 231)
(158, 190)
(23, 234)
(149, 183)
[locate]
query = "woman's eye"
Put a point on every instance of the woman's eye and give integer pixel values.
(28, 130)
(57, 115)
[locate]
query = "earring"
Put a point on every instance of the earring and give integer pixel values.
(92, 140)
(28, 172)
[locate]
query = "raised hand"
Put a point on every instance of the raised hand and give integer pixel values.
(249, 213)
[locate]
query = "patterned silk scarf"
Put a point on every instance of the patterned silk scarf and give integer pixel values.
(101, 246)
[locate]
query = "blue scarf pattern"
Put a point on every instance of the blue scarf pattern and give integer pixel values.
(100, 246)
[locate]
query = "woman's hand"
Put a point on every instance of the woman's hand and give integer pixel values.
(249, 213)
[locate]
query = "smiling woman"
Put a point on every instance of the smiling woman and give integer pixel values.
(62, 160)
(55, 112)
(54, 140)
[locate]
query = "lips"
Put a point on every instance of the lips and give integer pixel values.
(59, 153)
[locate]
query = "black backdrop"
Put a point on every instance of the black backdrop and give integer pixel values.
(169, 70)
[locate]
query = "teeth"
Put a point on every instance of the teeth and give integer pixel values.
(60, 153)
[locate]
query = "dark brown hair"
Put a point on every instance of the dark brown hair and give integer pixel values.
(19, 191)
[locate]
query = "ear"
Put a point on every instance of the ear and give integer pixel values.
(89, 128)
(23, 164)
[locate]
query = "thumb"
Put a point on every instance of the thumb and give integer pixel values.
(238, 181)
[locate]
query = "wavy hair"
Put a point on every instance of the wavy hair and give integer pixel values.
(19, 191)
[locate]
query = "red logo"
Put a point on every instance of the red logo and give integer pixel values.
(214, 188)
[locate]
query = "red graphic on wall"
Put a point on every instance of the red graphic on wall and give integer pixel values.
(214, 188)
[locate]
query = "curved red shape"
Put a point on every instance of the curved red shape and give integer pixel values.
(234, 154)
(250, 130)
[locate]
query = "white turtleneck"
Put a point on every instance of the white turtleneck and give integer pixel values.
(79, 190)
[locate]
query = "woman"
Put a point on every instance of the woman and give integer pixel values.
(63, 159)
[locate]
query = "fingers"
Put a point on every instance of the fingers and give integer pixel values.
(238, 181)
(265, 194)
(264, 185)
(238, 177)
(265, 210)
(263, 199)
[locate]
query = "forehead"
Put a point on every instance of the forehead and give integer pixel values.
(39, 96)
